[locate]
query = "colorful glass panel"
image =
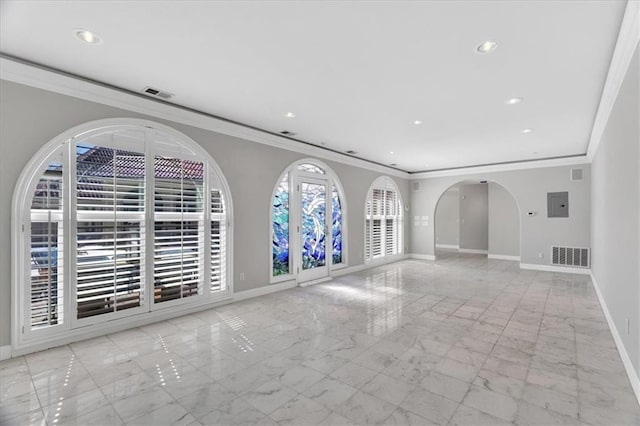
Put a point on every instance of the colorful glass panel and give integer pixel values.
(280, 228)
(336, 227)
(313, 197)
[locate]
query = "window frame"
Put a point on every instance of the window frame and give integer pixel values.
(72, 328)
(294, 210)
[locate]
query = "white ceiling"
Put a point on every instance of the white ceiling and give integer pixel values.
(356, 74)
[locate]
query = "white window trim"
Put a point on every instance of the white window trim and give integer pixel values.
(384, 183)
(333, 180)
(21, 216)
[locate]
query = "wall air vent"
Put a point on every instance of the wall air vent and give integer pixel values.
(287, 133)
(157, 93)
(415, 186)
(576, 174)
(570, 256)
(351, 152)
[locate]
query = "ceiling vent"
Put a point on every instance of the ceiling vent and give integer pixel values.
(157, 93)
(570, 256)
(287, 133)
(351, 152)
(576, 174)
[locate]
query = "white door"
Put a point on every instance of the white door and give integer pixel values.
(314, 240)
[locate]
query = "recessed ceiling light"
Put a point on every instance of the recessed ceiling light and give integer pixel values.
(87, 36)
(513, 101)
(525, 131)
(391, 152)
(417, 122)
(289, 115)
(487, 46)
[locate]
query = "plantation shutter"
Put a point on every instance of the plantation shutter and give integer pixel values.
(46, 277)
(218, 242)
(110, 218)
(383, 223)
(377, 223)
(390, 211)
(178, 229)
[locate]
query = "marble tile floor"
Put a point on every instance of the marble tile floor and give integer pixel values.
(460, 341)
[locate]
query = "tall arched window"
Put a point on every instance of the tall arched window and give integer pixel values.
(307, 222)
(383, 220)
(118, 218)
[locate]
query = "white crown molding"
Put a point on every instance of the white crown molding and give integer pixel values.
(626, 360)
(41, 78)
(524, 165)
(625, 47)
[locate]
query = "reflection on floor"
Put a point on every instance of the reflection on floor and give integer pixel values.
(463, 340)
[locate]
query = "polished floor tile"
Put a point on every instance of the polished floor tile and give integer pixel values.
(460, 341)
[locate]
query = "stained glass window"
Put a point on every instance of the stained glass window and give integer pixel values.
(280, 228)
(313, 221)
(313, 198)
(336, 226)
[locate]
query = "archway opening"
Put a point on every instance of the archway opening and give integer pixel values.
(477, 219)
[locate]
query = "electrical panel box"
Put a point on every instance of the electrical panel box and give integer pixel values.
(557, 204)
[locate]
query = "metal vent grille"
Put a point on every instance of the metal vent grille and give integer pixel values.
(157, 93)
(570, 256)
(576, 174)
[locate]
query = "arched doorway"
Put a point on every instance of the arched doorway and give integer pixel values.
(477, 217)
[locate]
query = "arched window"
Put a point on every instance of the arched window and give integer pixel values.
(118, 218)
(307, 222)
(383, 220)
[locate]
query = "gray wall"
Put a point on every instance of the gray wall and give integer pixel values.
(447, 215)
(504, 222)
(615, 210)
(474, 217)
(31, 117)
(529, 187)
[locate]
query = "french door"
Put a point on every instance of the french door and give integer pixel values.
(313, 235)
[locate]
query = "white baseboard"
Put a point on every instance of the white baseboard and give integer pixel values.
(5, 352)
(448, 246)
(422, 256)
(261, 291)
(472, 251)
(503, 257)
(314, 282)
(349, 270)
(628, 365)
(552, 268)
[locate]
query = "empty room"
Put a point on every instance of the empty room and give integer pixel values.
(319, 212)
